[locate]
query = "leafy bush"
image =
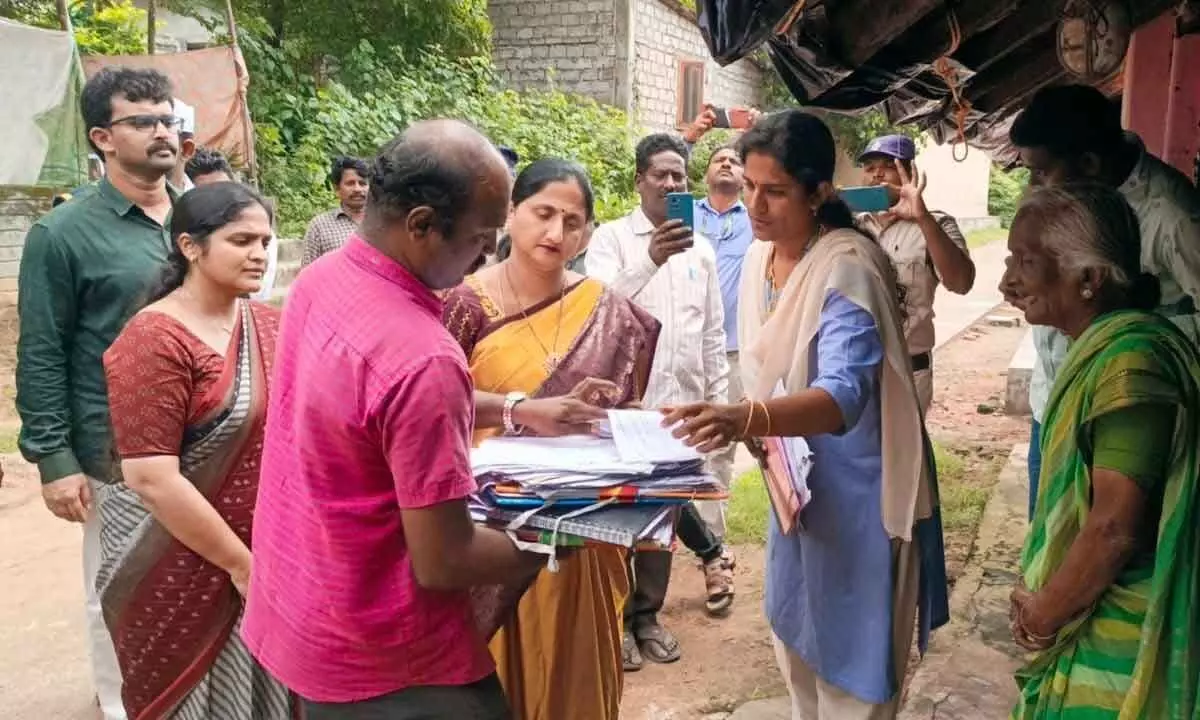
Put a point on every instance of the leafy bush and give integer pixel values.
(1004, 192)
(301, 126)
(113, 28)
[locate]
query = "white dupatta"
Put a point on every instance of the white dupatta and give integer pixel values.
(775, 350)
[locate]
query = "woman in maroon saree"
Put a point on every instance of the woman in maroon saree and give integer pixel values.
(187, 384)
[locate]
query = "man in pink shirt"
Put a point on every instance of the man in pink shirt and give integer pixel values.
(363, 546)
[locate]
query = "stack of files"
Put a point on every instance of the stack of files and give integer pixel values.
(639, 527)
(621, 486)
(788, 463)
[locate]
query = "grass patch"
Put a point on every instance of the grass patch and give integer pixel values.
(963, 500)
(979, 238)
(749, 506)
(8, 440)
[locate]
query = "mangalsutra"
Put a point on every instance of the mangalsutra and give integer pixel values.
(553, 358)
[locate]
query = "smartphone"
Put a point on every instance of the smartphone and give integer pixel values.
(735, 118)
(682, 206)
(872, 198)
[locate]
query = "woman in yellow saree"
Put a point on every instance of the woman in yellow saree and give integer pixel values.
(532, 328)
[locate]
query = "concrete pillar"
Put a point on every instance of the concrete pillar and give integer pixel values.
(1147, 66)
(624, 95)
(1182, 138)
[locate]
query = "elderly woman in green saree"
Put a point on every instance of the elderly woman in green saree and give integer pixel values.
(1109, 598)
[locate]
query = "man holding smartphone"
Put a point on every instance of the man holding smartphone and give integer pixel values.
(672, 274)
(927, 248)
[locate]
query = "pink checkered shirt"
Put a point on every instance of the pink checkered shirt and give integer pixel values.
(371, 411)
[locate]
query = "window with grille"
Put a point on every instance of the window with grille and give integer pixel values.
(690, 98)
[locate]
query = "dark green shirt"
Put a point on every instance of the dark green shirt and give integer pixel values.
(84, 268)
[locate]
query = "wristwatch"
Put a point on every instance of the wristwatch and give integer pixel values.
(511, 401)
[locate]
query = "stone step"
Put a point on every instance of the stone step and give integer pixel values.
(1020, 374)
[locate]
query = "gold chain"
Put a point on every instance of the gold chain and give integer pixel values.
(552, 356)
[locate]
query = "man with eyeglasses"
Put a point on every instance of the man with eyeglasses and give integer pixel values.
(84, 268)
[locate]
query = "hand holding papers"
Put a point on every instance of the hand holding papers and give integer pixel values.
(542, 483)
(641, 437)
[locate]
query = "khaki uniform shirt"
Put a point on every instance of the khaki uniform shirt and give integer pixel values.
(904, 243)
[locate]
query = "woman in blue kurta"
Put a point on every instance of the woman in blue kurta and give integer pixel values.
(823, 358)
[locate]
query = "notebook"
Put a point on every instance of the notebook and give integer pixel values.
(624, 525)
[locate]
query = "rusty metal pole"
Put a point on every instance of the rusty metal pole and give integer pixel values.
(243, 85)
(151, 23)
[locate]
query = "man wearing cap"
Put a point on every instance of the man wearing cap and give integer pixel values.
(926, 247)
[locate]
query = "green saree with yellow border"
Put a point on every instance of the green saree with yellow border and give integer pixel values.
(1136, 654)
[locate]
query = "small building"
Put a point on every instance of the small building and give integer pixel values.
(644, 56)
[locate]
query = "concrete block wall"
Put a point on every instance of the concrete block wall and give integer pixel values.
(20, 207)
(573, 39)
(664, 35)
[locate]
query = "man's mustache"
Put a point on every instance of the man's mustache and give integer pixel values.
(162, 146)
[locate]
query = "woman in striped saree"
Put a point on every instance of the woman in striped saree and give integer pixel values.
(1110, 596)
(187, 383)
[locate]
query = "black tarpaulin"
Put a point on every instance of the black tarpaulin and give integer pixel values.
(799, 45)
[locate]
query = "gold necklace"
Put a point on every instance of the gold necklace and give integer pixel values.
(553, 358)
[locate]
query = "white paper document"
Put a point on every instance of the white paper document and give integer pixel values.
(641, 438)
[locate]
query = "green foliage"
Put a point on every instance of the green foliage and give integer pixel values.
(854, 132)
(320, 31)
(1005, 190)
(101, 28)
(749, 510)
(301, 126)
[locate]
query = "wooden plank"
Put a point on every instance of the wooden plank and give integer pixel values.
(1033, 66)
(861, 28)
(1031, 19)
(930, 38)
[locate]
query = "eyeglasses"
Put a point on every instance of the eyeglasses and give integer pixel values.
(146, 123)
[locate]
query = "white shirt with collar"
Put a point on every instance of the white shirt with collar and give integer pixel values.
(684, 294)
(1168, 212)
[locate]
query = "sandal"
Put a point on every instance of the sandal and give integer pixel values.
(718, 583)
(657, 644)
(630, 655)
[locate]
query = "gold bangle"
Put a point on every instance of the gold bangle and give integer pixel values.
(766, 412)
(749, 420)
(1029, 634)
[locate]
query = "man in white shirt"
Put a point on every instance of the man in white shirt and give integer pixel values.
(672, 274)
(1072, 133)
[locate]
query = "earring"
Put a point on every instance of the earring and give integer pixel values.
(1087, 293)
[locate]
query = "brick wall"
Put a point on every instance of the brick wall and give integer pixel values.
(584, 43)
(663, 37)
(20, 207)
(575, 39)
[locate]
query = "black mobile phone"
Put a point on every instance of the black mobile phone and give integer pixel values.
(722, 120)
